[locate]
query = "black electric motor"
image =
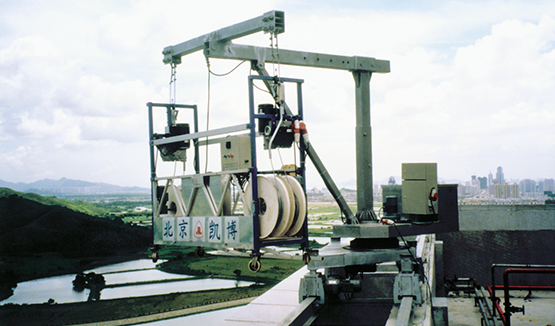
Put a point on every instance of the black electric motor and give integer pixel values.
(268, 124)
(174, 151)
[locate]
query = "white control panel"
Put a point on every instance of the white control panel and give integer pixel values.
(236, 153)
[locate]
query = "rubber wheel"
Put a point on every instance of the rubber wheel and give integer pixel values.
(255, 265)
(199, 252)
(155, 256)
(306, 258)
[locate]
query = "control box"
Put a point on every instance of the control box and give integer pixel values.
(392, 200)
(419, 188)
(236, 153)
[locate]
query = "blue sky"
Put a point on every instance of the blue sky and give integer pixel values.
(471, 84)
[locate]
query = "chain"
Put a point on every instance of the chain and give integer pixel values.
(276, 71)
(278, 57)
(275, 54)
(173, 79)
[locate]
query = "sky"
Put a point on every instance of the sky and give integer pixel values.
(471, 87)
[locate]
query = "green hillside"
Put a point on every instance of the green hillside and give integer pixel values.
(42, 236)
(78, 205)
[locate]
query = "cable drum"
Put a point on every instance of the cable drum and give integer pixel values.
(288, 201)
(300, 205)
(269, 202)
(282, 205)
(175, 203)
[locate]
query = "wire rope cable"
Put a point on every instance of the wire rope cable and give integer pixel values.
(207, 115)
(173, 82)
(210, 72)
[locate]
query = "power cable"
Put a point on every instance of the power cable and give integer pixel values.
(227, 73)
(421, 268)
(210, 72)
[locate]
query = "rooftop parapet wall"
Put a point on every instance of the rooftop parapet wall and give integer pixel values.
(506, 217)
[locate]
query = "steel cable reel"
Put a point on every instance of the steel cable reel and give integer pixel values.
(282, 205)
(299, 200)
(287, 200)
(175, 204)
(270, 205)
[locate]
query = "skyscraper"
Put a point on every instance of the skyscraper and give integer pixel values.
(528, 187)
(549, 185)
(500, 176)
(483, 182)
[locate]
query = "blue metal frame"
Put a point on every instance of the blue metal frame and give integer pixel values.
(253, 170)
(259, 243)
(169, 107)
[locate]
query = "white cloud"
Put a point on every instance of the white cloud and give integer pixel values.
(61, 115)
(470, 87)
(488, 107)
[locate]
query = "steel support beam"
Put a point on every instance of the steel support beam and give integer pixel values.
(403, 316)
(201, 134)
(270, 22)
(229, 50)
(365, 187)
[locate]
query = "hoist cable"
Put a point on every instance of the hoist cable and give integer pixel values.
(278, 57)
(207, 115)
(208, 102)
(173, 82)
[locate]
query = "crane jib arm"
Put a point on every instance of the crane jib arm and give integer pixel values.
(218, 45)
(263, 55)
(270, 22)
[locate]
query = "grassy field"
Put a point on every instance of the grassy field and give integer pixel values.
(325, 212)
(78, 205)
(273, 270)
(104, 310)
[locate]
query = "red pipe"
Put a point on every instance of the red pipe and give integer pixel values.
(491, 289)
(496, 304)
(526, 287)
(506, 286)
(494, 266)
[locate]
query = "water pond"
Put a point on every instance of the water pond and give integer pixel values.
(60, 288)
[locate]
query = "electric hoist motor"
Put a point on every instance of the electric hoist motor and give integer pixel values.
(176, 151)
(275, 127)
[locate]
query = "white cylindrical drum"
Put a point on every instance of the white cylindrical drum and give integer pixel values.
(287, 200)
(270, 205)
(300, 205)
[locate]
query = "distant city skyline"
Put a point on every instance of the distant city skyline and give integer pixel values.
(351, 184)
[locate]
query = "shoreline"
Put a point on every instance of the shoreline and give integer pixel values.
(127, 311)
(92, 265)
(174, 314)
